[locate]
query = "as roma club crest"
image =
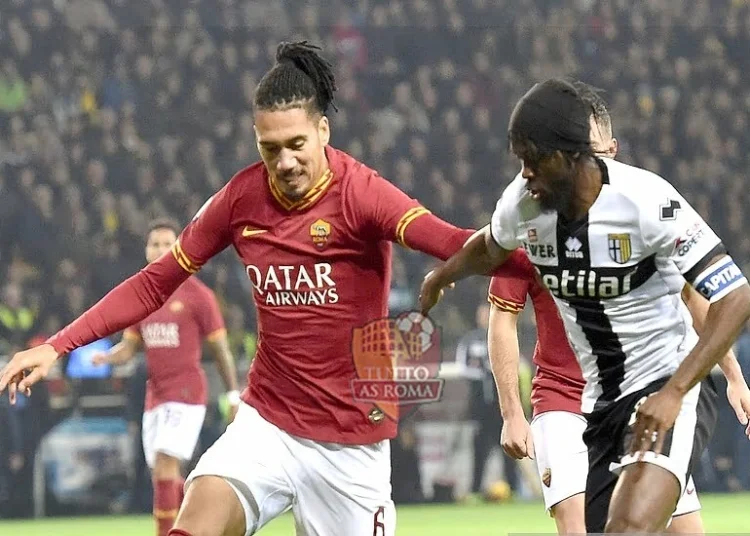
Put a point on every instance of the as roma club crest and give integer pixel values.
(176, 306)
(547, 477)
(397, 361)
(320, 231)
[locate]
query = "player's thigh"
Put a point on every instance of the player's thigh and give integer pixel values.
(685, 441)
(683, 445)
(561, 456)
(343, 489)
(178, 429)
(211, 507)
(568, 515)
(253, 462)
(643, 500)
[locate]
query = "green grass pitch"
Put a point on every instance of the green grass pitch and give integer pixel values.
(721, 513)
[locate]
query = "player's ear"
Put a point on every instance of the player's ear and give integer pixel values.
(613, 147)
(324, 130)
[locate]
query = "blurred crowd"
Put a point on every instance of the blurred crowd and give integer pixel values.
(113, 112)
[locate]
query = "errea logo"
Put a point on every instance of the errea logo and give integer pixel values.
(573, 248)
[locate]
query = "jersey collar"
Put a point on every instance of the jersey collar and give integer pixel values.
(310, 198)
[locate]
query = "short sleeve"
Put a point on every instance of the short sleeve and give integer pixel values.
(380, 209)
(511, 282)
(674, 230)
(207, 234)
(209, 317)
(504, 223)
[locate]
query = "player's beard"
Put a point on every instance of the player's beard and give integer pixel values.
(559, 195)
(294, 185)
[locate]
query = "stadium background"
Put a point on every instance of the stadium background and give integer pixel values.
(113, 112)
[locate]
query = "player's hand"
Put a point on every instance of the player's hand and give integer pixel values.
(516, 438)
(653, 419)
(25, 369)
(431, 291)
(738, 396)
(100, 358)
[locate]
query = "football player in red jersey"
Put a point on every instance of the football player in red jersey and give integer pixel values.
(555, 436)
(314, 229)
(176, 391)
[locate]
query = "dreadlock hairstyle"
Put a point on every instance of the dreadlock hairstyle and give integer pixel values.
(593, 98)
(300, 78)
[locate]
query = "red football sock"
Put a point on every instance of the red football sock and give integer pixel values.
(178, 532)
(167, 498)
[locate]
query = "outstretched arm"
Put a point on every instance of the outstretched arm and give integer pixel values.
(433, 236)
(132, 300)
(480, 255)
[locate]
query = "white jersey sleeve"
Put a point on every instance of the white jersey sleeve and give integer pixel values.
(504, 224)
(675, 231)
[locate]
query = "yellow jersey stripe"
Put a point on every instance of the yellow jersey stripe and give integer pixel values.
(183, 260)
(504, 305)
(216, 335)
(310, 197)
(405, 220)
(316, 192)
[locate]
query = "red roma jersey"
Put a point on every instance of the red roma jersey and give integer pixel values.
(172, 338)
(319, 268)
(558, 382)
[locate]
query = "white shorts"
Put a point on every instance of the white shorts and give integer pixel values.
(563, 463)
(331, 488)
(561, 455)
(172, 428)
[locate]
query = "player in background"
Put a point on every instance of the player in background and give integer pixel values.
(555, 437)
(314, 229)
(615, 244)
(176, 390)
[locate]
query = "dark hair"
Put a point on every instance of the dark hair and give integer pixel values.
(164, 223)
(593, 98)
(300, 78)
(552, 116)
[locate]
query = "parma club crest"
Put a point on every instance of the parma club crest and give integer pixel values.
(620, 250)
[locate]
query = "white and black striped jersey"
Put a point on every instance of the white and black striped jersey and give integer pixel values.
(616, 274)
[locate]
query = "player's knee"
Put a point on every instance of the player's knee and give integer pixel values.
(628, 522)
(211, 508)
(166, 467)
(569, 516)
